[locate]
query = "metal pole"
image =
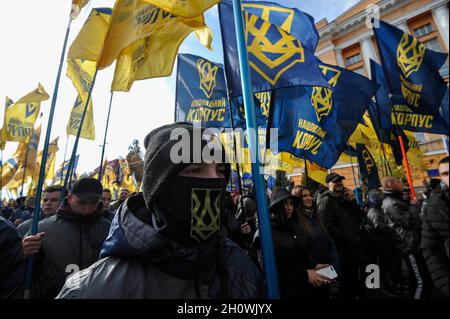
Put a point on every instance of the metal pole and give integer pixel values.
(268, 254)
(64, 160)
(34, 227)
(408, 172)
(104, 139)
(354, 181)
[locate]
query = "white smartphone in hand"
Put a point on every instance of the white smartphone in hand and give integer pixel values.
(328, 272)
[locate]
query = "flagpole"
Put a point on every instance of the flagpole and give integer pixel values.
(354, 181)
(306, 172)
(34, 227)
(24, 170)
(64, 159)
(77, 139)
(268, 254)
(104, 139)
(238, 170)
(408, 171)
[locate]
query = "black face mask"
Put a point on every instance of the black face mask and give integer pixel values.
(188, 210)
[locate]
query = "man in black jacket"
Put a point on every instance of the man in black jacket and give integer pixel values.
(166, 241)
(343, 224)
(73, 238)
(404, 219)
(435, 232)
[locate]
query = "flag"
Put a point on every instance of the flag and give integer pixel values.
(280, 44)
(77, 5)
(316, 123)
(61, 173)
(316, 172)
(88, 129)
(262, 107)
(395, 111)
(8, 103)
(145, 40)
(128, 180)
(11, 166)
(411, 70)
(201, 93)
(88, 44)
(28, 165)
(368, 169)
(20, 117)
(186, 8)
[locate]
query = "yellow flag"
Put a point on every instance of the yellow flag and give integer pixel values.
(88, 44)
(11, 166)
(316, 172)
(88, 129)
(21, 116)
(145, 40)
(364, 133)
(127, 178)
(28, 166)
(77, 5)
(186, 8)
(8, 103)
(81, 73)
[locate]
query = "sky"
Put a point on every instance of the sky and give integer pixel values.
(31, 37)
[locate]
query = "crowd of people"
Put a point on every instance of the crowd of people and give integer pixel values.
(184, 237)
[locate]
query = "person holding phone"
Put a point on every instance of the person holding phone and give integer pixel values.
(322, 253)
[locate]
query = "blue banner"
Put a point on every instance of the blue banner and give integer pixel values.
(280, 41)
(201, 93)
(315, 122)
(395, 110)
(411, 70)
(368, 169)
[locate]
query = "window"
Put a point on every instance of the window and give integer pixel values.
(361, 71)
(420, 137)
(434, 45)
(423, 30)
(353, 59)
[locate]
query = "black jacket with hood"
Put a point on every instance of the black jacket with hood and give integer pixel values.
(435, 239)
(291, 248)
(139, 260)
(404, 220)
(72, 241)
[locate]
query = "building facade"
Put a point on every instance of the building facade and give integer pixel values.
(349, 42)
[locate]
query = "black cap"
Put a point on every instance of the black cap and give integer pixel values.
(87, 189)
(333, 177)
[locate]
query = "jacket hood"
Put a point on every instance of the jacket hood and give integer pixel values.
(159, 169)
(133, 235)
(279, 195)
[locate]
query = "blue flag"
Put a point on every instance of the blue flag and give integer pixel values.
(411, 70)
(201, 93)
(316, 122)
(368, 168)
(280, 43)
(262, 107)
(394, 110)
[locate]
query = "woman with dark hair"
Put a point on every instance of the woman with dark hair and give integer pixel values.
(321, 248)
(291, 248)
